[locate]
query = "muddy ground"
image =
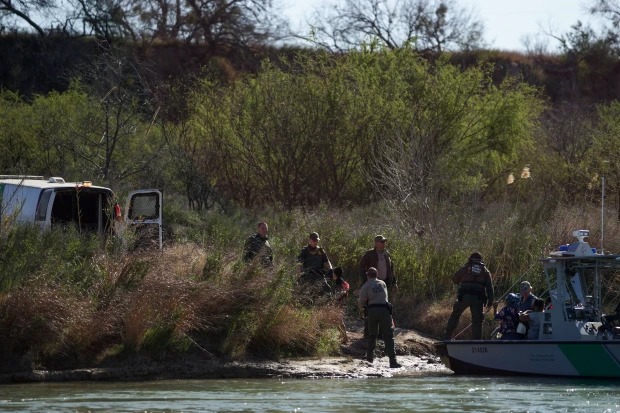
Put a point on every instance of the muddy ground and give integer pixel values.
(415, 353)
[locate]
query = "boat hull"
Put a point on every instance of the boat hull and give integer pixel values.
(532, 358)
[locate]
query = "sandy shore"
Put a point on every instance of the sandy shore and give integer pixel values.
(415, 352)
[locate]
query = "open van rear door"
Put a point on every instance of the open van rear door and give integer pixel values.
(144, 211)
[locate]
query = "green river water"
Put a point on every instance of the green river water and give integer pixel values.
(439, 393)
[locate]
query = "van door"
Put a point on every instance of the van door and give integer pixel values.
(85, 207)
(143, 211)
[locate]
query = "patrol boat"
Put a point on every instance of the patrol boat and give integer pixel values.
(576, 339)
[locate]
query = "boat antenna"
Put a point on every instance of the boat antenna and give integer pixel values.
(602, 212)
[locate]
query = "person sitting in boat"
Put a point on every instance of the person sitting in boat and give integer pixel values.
(533, 319)
(526, 301)
(509, 316)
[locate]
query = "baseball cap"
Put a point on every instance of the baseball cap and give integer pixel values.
(380, 238)
(314, 236)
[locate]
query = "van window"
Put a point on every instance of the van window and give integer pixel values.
(144, 206)
(43, 204)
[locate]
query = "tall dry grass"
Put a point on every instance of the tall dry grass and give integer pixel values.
(68, 300)
(161, 304)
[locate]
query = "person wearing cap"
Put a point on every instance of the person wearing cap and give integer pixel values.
(314, 264)
(373, 298)
(257, 245)
(527, 298)
(380, 259)
(474, 292)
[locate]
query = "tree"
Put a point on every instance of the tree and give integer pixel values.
(22, 10)
(608, 9)
(217, 24)
(107, 19)
(19, 149)
(566, 160)
(607, 147)
(452, 137)
(120, 136)
(290, 137)
(428, 25)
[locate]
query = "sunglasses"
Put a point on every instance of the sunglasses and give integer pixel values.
(383, 242)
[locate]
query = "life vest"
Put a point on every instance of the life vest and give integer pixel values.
(473, 278)
(475, 273)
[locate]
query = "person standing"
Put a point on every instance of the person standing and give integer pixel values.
(257, 245)
(314, 265)
(380, 259)
(373, 300)
(475, 291)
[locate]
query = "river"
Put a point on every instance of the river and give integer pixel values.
(439, 393)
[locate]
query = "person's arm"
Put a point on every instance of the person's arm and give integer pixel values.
(327, 265)
(362, 300)
(300, 260)
(456, 277)
(248, 252)
(270, 255)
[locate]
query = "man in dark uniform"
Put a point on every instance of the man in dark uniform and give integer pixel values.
(314, 265)
(474, 292)
(257, 245)
(374, 298)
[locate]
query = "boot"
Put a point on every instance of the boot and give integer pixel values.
(370, 351)
(394, 364)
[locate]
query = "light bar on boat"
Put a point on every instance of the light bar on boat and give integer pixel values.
(581, 234)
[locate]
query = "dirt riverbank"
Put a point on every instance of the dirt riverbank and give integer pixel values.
(415, 352)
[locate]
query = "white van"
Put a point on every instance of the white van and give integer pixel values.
(51, 202)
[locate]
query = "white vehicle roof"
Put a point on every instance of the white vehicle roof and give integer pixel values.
(50, 183)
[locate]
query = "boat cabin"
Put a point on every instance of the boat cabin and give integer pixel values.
(574, 275)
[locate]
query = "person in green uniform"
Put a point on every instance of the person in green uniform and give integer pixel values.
(314, 266)
(474, 292)
(374, 298)
(257, 245)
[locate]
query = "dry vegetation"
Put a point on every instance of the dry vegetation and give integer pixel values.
(197, 297)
